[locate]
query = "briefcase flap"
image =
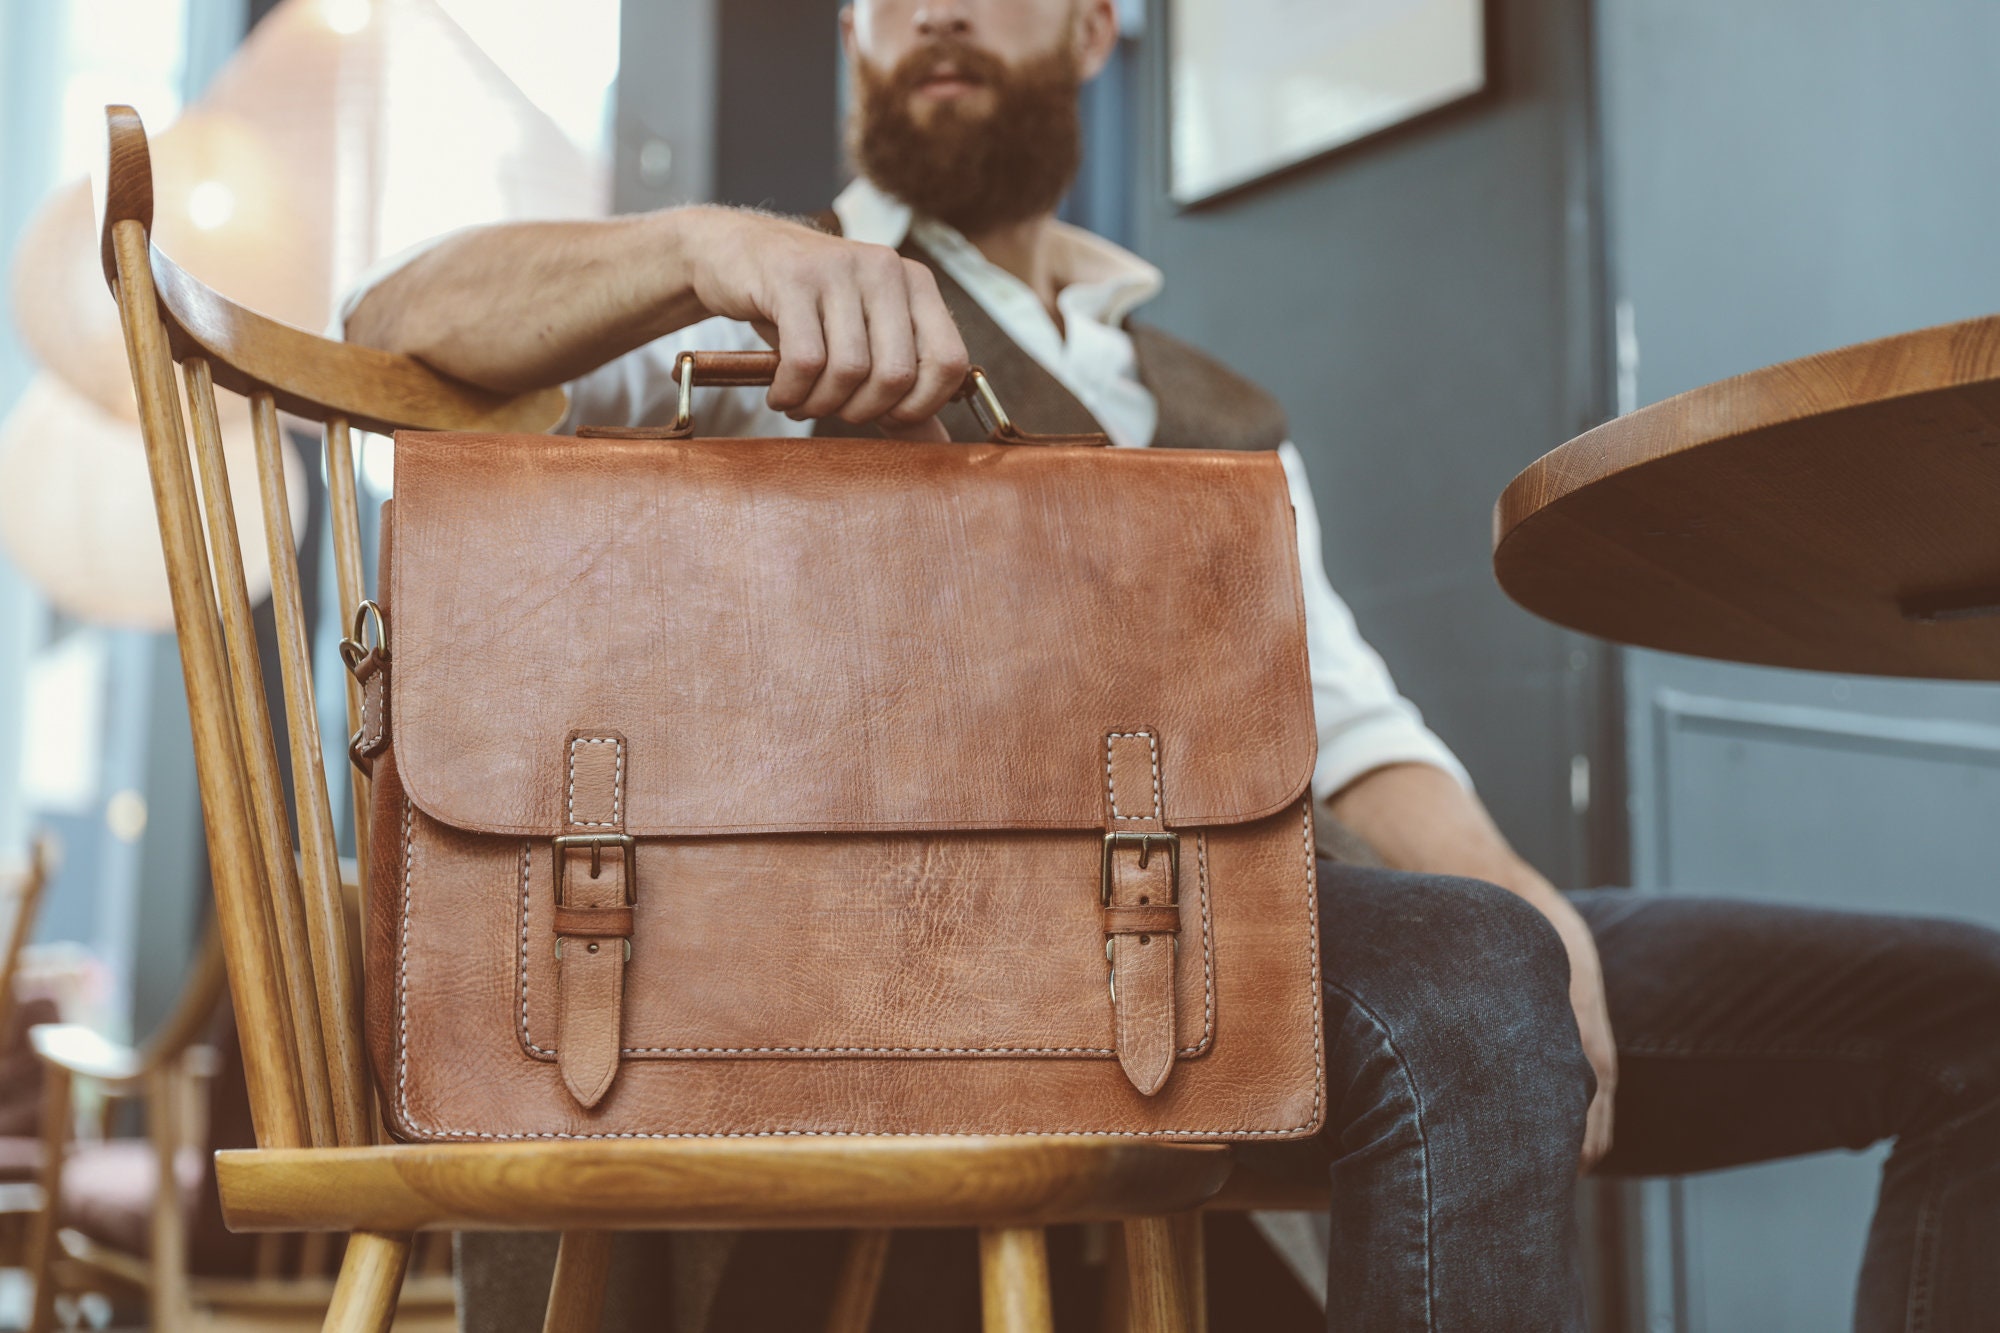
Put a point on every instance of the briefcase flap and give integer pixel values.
(862, 636)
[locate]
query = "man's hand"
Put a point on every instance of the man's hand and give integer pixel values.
(1593, 1018)
(861, 332)
(1417, 817)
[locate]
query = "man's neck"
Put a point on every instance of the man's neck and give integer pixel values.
(1023, 249)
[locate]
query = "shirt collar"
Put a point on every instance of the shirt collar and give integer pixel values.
(1097, 279)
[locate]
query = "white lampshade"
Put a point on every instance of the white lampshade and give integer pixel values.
(225, 208)
(76, 506)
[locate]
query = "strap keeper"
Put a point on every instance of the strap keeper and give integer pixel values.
(1147, 919)
(593, 922)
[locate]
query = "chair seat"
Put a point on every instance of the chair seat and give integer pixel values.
(700, 1183)
(108, 1188)
(20, 1159)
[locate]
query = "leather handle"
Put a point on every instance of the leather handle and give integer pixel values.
(749, 370)
(729, 370)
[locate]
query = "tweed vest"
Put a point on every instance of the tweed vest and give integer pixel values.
(1203, 404)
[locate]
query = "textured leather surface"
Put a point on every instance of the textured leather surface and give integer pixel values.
(734, 1030)
(869, 710)
(797, 636)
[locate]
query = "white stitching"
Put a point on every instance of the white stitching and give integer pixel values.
(1185, 1052)
(403, 976)
(408, 1123)
(526, 1040)
(1312, 933)
(617, 782)
(1111, 789)
(1207, 956)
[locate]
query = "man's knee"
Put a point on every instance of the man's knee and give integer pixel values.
(1470, 986)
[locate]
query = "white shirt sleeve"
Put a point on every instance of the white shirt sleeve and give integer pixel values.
(1363, 722)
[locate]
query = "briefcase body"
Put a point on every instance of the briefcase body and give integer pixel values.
(785, 787)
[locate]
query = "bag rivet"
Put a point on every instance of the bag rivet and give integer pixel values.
(591, 948)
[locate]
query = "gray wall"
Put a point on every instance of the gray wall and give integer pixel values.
(1424, 305)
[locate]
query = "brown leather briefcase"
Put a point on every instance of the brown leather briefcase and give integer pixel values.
(773, 787)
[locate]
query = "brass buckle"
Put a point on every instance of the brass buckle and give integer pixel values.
(1145, 842)
(597, 842)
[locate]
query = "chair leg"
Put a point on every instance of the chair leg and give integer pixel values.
(371, 1277)
(576, 1296)
(168, 1298)
(1158, 1290)
(1191, 1246)
(56, 1115)
(1014, 1280)
(860, 1280)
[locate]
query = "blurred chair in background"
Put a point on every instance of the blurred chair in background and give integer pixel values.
(20, 1074)
(139, 1217)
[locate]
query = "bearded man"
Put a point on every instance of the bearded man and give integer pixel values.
(1485, 1032)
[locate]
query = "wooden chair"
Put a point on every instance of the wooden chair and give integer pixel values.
(124, 1215)
(320, 1163)
(20, 1143)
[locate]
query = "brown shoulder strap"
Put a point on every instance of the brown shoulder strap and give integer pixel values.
(1035, 399)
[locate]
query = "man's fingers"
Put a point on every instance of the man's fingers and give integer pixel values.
(941, 355)
(845, 329)
(801, 347)
(1597, 1131)
(892, 342)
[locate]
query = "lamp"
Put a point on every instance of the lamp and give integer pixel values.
(342, 130)
(227, 209)
(76, 505)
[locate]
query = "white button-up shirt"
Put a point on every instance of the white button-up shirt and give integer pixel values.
(1363, 722)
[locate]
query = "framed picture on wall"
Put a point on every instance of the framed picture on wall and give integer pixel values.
(1256, 86)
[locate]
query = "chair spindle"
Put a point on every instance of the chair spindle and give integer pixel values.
(260, 754)
(346, 508)
(257, 984)
(319, 855)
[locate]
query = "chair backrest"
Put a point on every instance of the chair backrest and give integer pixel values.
(19, 902)
(276, 871)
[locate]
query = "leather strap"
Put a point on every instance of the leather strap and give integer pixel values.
(593, 914)
(1141, 910)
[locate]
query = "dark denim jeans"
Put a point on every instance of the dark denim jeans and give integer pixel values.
(1745, 1031)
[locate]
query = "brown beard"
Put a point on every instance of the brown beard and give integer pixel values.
(975, 171)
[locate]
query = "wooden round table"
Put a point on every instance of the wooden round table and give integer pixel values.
(1839, 512)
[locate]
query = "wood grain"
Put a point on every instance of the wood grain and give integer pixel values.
(1833, 512)
(371, 1277)
(353, 589)
(1014, 1280)
(1158, 1291)
(256, 981)
(260, 753)
(576, 1293)
(631, 1184)
(339, 1005)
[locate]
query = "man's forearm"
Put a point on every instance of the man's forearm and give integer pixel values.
(1418, 817)
(525, 305)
